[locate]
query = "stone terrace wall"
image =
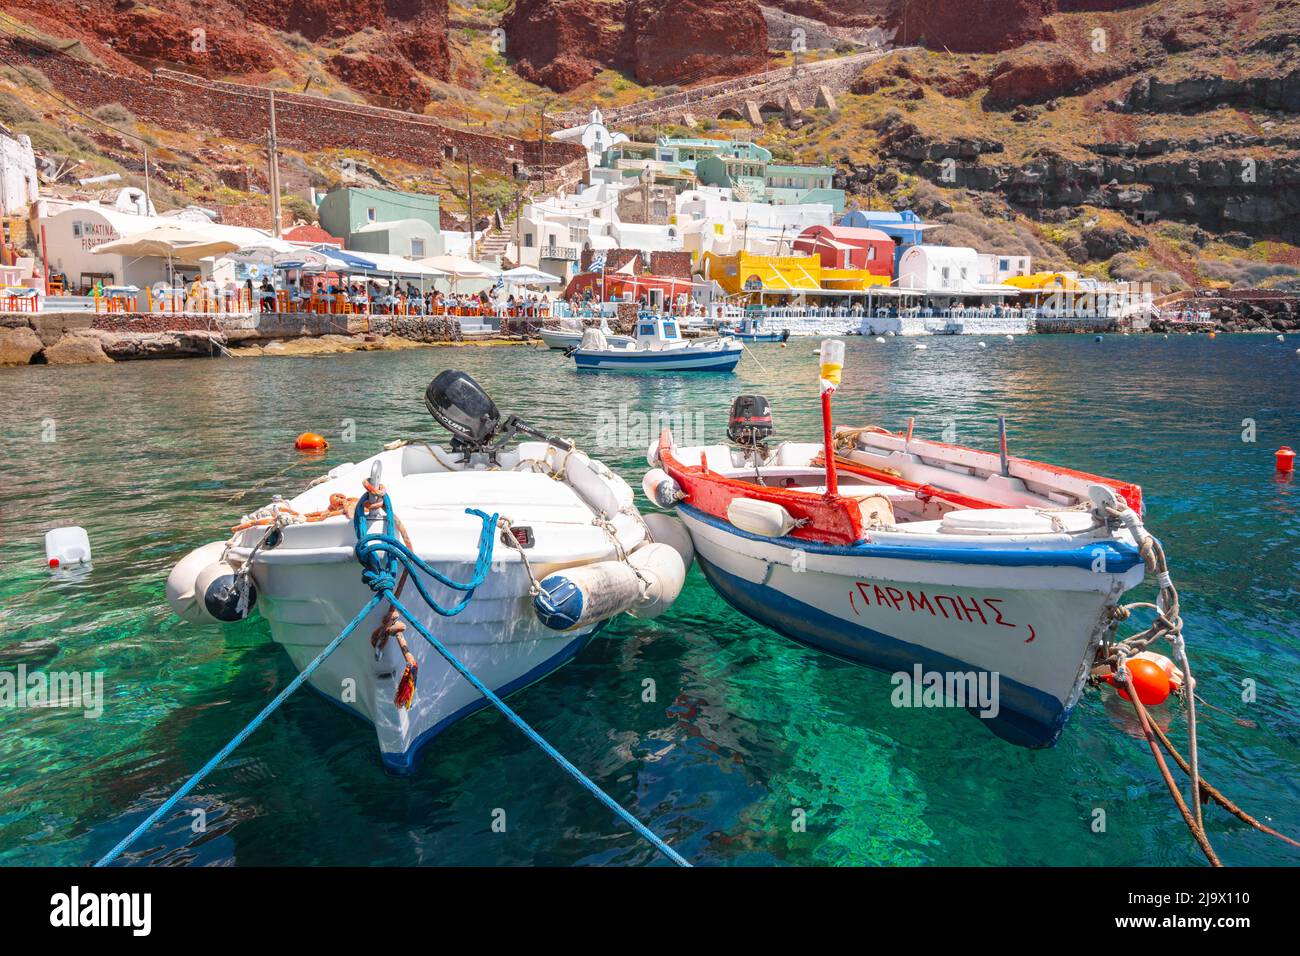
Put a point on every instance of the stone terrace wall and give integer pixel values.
(179, 101)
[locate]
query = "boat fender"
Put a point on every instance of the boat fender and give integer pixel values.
(661, 489)
(581, 597)
(765, 518)
(599, 492)
(222, 594)
(664, 572)
(652, 455)
(184, 576)
(670, 530)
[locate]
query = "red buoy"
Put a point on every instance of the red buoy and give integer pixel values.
(310, 441)
(1285, 458)
(1149, 679)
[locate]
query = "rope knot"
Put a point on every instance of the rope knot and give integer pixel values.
(379, 580)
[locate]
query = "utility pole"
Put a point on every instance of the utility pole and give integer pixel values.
(148, 199)
(541, 142)
(273, 158)
(469, 184)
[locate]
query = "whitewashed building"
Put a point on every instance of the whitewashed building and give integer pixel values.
(18, 182)
(593, 136)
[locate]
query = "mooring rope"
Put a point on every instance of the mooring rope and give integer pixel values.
(381, 573)
(240, 737)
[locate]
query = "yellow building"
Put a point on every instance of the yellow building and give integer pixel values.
(783, 275)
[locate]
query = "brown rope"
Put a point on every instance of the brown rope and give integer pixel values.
(1198, 833)
(1215, 795)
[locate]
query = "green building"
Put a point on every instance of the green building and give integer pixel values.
(359, 217)
(745, 168)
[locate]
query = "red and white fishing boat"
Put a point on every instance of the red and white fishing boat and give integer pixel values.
(903, 552)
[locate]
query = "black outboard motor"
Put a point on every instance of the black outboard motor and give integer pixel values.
(460, 405)
(750, 424)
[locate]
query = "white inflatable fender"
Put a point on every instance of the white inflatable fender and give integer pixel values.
(183, 577)
(661, 489)
(665, 571)
(765, 518)
(581, 597)
(603, 491)
(671, 530)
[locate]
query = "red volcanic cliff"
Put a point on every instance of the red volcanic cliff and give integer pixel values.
(239, 37)
(564, 43)
(964, 27)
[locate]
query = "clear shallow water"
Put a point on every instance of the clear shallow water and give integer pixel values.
(746, 728)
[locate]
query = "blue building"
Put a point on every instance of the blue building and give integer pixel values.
(905, 228)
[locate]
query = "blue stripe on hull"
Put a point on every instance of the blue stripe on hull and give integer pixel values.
(1117, 558)
(1026, 718)
(407, 763)
(724, 362)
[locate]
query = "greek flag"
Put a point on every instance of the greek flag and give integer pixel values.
(499, 284)
(597, 263)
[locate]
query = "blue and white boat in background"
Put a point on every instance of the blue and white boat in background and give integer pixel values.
(753, 328)
(659, 347)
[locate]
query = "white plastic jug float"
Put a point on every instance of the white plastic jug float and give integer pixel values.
(66, 547)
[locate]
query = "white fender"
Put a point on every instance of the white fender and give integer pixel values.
(764, 518)
(661, 489)
(596, 485)
(670, 530)
(181, 581)
(665, 572)
(221, 595)
(578, 598)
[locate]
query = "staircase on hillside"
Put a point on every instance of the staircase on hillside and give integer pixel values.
(492, 245)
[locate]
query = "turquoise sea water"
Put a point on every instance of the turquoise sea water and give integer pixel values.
(746, 729)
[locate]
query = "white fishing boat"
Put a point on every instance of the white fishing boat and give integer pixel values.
(659, 347)
(569, 334)
(543, 543)
(908, 553)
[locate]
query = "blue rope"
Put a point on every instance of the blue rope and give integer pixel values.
(646, 833)
(380, 555)
(240, 737)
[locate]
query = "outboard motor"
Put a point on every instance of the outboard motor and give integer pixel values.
(460, 405)
(750, 424)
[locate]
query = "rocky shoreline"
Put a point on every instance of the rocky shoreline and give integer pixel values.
(88, 339)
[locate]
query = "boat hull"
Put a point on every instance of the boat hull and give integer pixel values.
(667, 360)
(497, 636)
(1034, 626)
(566, 340)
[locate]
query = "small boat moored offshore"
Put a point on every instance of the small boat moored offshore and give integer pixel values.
(570, 330)
(659, 347)
(906, 554)
(753, 328)
(537, 544)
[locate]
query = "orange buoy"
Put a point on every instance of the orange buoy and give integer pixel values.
(310, 441)
(1285, 459)
(1150, 680)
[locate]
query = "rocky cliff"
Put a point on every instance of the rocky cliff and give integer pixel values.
(397, 39)
(563, 44)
